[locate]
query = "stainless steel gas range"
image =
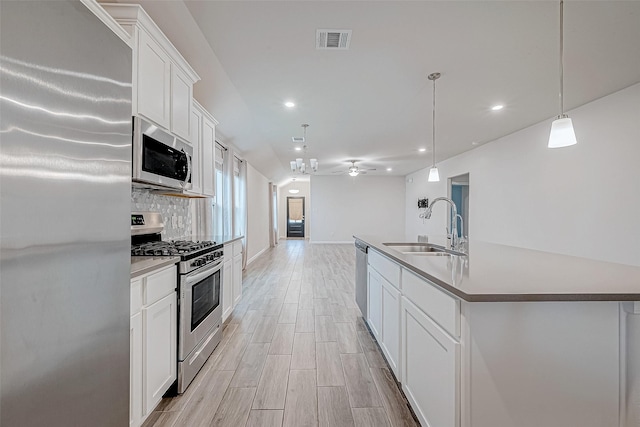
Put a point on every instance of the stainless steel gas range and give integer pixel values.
(199, 290)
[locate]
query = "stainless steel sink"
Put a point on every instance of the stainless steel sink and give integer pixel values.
(422, 249)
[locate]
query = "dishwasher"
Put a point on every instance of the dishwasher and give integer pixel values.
(361, 276)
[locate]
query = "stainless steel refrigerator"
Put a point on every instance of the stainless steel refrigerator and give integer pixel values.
(65, 159)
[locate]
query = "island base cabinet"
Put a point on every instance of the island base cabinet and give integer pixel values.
(160, 349)
(374, 303)
(390, 343)
(551, 364)
(430, 369)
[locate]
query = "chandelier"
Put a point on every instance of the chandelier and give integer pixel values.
(299, 165)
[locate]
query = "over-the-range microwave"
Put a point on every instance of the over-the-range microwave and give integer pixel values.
(159, 158)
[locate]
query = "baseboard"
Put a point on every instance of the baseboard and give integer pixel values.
(253, 258)
(332, 242)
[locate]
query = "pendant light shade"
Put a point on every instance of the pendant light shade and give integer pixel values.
(562, 133)
(434, 176)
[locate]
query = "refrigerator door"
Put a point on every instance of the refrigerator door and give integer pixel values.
(65, 168)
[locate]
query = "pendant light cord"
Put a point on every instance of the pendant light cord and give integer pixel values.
(561, 57)
(433, 136)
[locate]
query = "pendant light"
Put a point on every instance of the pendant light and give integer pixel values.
(298, 165)
(562, 134)
(434, 176)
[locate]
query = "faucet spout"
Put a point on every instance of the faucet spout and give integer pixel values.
(454, 223)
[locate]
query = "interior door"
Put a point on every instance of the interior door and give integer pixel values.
(295, 217)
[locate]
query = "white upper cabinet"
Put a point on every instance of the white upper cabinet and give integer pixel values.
(196, 132)
(162, 79)
(181, 99)
(203, 172)
(208, 161)
(152, 90)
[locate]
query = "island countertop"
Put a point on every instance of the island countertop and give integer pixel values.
(500, 273)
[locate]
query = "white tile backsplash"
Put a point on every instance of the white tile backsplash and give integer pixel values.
(169, 207)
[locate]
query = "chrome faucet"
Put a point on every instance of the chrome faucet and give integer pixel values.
(454, 223)
(461, 224)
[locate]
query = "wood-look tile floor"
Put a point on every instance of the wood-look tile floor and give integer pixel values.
(295, 352)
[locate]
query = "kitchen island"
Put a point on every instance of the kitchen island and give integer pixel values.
(507, 336)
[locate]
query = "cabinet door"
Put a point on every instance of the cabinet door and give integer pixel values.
(152, 80)
(208, 162)
(160, 349)
(391, 326)
(181, 98)
(135, 372)
(374, 303)
(237, 279)
(227, 289)
(430, 369)
(196, 141)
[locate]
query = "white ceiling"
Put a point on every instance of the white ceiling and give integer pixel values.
(373, 102)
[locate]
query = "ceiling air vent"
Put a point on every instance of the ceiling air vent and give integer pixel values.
(297, 139)
(333, 39)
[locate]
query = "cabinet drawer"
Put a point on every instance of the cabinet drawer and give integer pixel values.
(387, 268)
(136, 296)
(442, 308)
(237, 248)
(159, 285)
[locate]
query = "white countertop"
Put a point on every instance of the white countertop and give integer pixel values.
(146, 264)
(492, 272)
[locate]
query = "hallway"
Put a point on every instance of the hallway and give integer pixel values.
(295, 352)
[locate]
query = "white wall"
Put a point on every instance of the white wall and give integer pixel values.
(258, 213)
(343, 206)
(582, 200)
(283, 193)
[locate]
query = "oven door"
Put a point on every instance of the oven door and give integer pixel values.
(200, 308)
(160, 158)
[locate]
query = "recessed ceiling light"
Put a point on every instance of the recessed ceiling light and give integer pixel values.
(389, 169)
(474, 143)
(298, 149)
(422, 150)
(497, 107)
(289, 104)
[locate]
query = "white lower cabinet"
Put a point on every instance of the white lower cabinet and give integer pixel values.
(231, 277)
(430, 369)
(153, 341)
(135, 386)
(227, 287)
(237, 279)
(374, 303)
(160, 348)
(391, 326)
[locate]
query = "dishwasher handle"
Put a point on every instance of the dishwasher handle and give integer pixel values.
(362, 246)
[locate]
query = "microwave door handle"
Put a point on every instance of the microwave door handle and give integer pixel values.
(203, 275)
(186, 180)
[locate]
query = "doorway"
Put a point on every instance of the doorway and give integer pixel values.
(459, 193)
(295, 217)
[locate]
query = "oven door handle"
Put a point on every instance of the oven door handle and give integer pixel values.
(200, 275)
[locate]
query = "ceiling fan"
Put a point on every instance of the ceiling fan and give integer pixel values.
(355, 170)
